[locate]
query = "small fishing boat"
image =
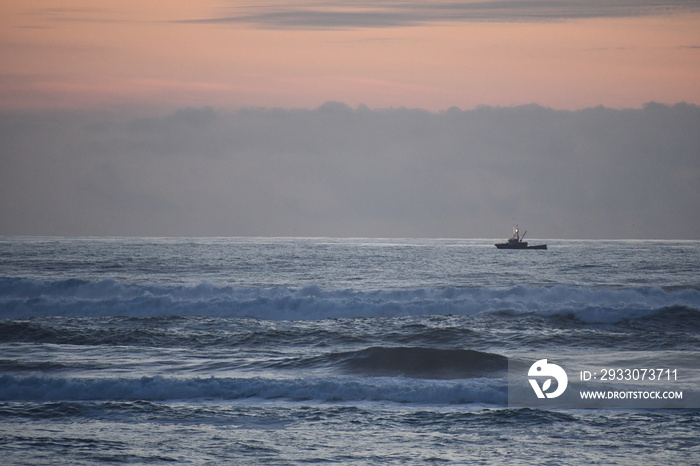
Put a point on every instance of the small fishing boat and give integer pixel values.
(516, 242)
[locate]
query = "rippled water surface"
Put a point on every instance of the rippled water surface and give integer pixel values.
(278, 351)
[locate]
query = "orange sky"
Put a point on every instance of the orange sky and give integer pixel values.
(156, 54)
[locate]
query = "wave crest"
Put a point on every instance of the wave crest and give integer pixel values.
(339, 389)
(22, 298)
(419, 362)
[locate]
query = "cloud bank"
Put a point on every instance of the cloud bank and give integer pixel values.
(336, 14)
(341, 171)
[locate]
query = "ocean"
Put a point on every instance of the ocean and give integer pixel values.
(319, 350)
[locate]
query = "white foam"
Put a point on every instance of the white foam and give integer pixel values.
(399, 390)
(20, 298)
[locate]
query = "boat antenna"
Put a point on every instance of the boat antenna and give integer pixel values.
(523, 237)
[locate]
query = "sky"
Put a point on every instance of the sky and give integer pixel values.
(573, 118)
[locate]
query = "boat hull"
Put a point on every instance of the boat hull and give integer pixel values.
(520, 246)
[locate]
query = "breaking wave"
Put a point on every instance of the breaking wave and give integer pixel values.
(337, 389)
(23, 298)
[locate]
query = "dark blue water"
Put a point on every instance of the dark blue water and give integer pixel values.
(278, 351)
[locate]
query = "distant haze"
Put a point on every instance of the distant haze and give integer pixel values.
(354, 171)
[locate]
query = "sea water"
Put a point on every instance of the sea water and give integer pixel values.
(364, 351)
